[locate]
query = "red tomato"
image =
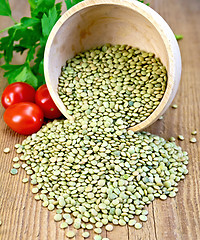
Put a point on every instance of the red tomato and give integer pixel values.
(17, 92)
(24, 117)
(44, 100)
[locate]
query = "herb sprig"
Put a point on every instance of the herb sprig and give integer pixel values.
(30, 36)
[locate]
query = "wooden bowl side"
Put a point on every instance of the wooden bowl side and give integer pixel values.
(95, 22)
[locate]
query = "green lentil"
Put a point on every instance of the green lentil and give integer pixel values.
(145, 212)
(35, 190)
(50, 206)
(104, 221)
(63, 225)
(132, 222)
(13, 171)
(6, 150)
(17, 145)
(16, 165)
(37, 197)
(24, 165)
(115, 221)
(143, 218)
(172, 139)
(172, 194)
(174, 106)
(138, 225)
(83, 225)
(15, 159)
(25, 180)
(59, 211)
(109, 227)
(19, 150)
(66, 216)
(69, 221)
(70, 234)
(85, 234)
(194, 132)
(57, 217)
(122, 222)
(77, 224)
(97, 237)
(98, 224)
(29, 172)
(138, 212)
(98, 230)
(180, 137)
(193, 140)
(89, 226)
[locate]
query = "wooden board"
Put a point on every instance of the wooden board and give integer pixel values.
(174, 219)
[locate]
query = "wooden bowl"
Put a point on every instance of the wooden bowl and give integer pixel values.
(93, 23)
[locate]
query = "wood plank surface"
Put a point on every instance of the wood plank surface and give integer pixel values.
(23, 218)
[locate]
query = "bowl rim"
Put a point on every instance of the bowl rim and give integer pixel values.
(166, 34)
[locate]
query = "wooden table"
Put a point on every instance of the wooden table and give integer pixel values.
(174, 219)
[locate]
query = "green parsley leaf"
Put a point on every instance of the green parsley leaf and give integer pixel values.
(5, 8)
(41, 67)
(18, 48)
(71, 3)
(45, 4)
(6, 45)
(27, 76)
(12, 71)
(30, 34)
(36, 69)
(31, 53)
(143, 2)
(48, 21)
(58, 8)
(28, 22)
(28, 39)
(39, 58)
(20, 73)
(42, 7)
(33, 3)
(179, 37)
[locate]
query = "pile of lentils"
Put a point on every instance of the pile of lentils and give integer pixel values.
(96, 172)
(116, 81)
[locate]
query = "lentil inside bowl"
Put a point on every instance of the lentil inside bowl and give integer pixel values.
(121, 82)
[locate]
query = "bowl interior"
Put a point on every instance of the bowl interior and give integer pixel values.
(94, 25)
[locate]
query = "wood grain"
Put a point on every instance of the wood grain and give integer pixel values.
(174, 219)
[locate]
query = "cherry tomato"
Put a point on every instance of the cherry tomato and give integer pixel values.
(44, 100)
(17, 92)
(24, 117)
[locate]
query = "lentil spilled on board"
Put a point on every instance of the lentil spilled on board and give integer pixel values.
(94, 171)
(92, 176)
(116, 81)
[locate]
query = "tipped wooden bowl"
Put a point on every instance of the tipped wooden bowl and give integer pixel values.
(93, 23)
